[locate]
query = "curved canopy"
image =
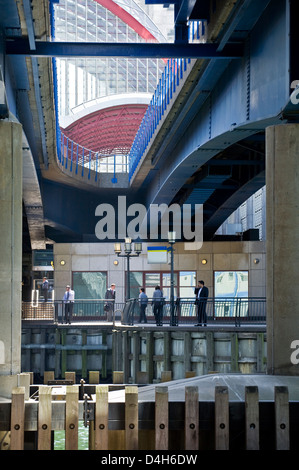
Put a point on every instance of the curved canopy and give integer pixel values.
(109, 131)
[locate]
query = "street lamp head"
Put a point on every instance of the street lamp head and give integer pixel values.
(128, 245)
(138, 247)
(171, 237)
(117, 248)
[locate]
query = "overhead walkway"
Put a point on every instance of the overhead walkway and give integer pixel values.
(240, 87)
(202, 136)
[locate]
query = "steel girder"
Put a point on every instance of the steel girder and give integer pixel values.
(21, 47)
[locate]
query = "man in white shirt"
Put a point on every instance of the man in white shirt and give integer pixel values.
(68, 299)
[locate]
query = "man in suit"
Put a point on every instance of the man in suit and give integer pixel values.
(109, 306)
(45, 289)
(202, 294)
(68, 299)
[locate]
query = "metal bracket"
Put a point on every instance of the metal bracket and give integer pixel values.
(88, 411)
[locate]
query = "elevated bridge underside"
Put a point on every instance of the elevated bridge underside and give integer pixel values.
(210, 146)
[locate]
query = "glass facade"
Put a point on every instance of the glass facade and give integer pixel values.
(184, 283)
(89, 285)
(82, 80)
(231, 283)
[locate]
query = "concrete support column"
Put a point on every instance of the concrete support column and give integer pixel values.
(282, 215)
(10, 253)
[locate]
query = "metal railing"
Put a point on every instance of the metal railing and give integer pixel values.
(225, 309)
(228, 310)
(80, 160)
(175, 71)
(83, 310)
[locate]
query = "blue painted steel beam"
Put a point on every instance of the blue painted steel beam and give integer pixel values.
(20, 46)
(29, 23)
(184, 10)
(161, 2)
(200, 10)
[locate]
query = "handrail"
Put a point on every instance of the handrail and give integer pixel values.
(174, 72)
(237, 310)
(170, 79)
(70, 154)
(83, 310)
(83, 159)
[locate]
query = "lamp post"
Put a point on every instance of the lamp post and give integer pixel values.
(128, 254)
(171, 240)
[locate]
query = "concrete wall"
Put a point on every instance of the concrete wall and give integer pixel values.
(11, 247)
(178, 353)
(142, 356)
(282, 248)
(226, 256)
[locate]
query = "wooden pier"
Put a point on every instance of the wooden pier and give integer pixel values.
(214, 412)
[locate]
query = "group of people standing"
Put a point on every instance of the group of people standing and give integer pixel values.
(201, 296)
(157, 302)
(69, 298)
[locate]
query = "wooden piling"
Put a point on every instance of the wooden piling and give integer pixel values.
(17, 418)
(101, 418)
(191, 418)
(71, 417)
(221, 418)
(161, 418)
(131, 417)
(282, 425)
(118, 377)
(252, 418)
(94, 376)
(48, 376)
(166, 376)
(44, 418)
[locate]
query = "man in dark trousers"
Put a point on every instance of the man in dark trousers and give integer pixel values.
(45, 289)
(109, 306)
(158, 301)
(202, 294)
(68, 300)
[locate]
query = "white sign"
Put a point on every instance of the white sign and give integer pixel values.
(157, 254)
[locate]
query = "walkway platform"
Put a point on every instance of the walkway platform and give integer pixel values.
(213, 326)
(236, 384)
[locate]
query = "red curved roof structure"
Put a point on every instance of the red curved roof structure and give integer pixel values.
(128, 19)
(110, 130)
